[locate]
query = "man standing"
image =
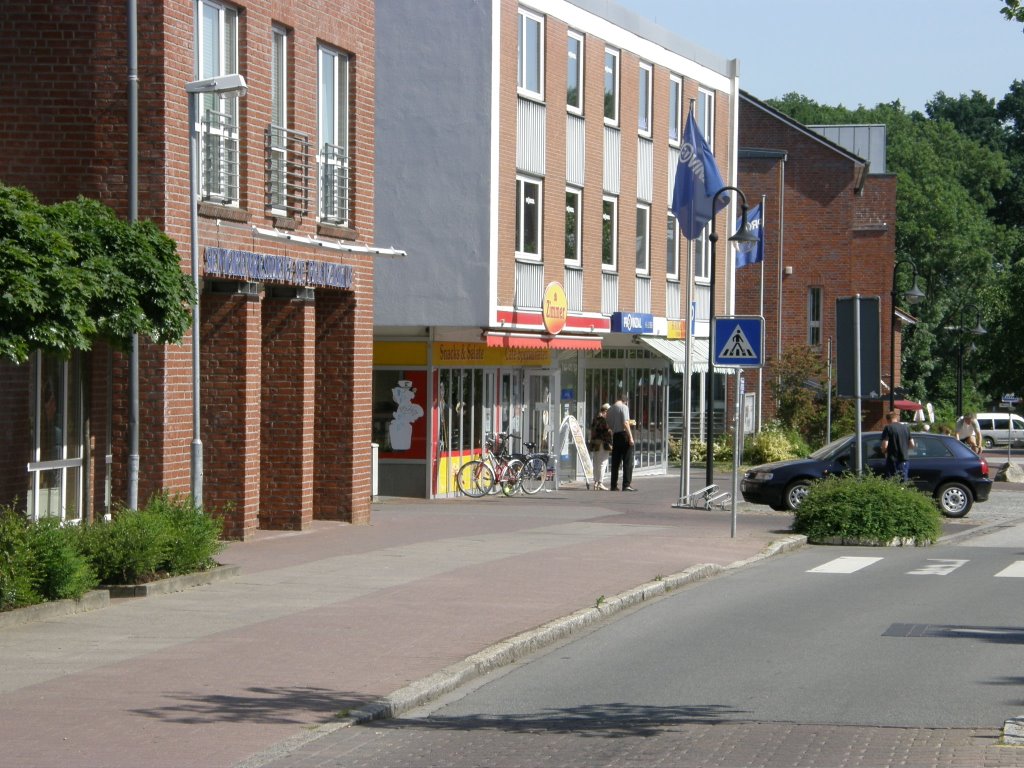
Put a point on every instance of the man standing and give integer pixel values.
(896, 446)
(622, 443)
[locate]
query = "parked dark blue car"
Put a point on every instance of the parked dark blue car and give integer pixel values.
(940, 465)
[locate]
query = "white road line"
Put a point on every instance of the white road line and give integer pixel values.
(1014, 571)
(938, 567)
(845, 565)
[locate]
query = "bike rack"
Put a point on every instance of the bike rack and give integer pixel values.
(706, 498)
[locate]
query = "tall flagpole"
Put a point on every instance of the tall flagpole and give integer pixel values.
(760, 311)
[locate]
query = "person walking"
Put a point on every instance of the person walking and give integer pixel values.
(622, 443)
(600, 446)
(896, 446)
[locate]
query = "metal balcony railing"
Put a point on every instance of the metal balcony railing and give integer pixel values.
(289, 178)
(334, 185)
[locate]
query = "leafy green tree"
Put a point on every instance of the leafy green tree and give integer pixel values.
(74, 272)
(1013, 10)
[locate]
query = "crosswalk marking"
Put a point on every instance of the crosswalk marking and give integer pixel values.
(938, 567)
(845, 565)
(1014, 571)
(934, 567)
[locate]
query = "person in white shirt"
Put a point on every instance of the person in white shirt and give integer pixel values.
(969, 432)
(622, 443)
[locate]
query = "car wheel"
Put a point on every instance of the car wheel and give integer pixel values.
(987, 442)
(955, 499)
(796, 492)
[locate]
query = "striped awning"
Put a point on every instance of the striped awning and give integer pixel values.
(675, 350)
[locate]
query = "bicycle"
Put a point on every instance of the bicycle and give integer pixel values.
(535, 468)
(492, 472)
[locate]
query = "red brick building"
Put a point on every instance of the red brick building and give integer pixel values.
(829, 229)
(286, 255)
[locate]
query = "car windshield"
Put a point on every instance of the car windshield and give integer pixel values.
(828, 451)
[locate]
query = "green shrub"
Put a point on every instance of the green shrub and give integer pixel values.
(59, 571)
(129, 549)
(772, 443)
(16, 561)
(869, 508)
(194, 537)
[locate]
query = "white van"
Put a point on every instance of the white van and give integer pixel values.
(996, 428)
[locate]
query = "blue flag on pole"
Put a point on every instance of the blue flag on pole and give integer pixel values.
(751, 253)
(697, 181)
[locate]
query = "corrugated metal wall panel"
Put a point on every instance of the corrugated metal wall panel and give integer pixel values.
(642, 302)
(574, 288)
(531, 134)
(529, 284)
(672, 300)
(609, 293)
(644, 170)
(612, 160)
(575, 150)
(865, 141)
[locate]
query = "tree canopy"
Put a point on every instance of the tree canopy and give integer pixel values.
(960, 222)
(73, 272)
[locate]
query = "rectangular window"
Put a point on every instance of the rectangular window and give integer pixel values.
(644, 100)
(572, 226)
(672, 248)
(333, 126)
(217, 54)
(643, 239)
(675, 109)
(814, 317)
(278, 159)
(528, 218)
(702, 255)
(611, 87)
(706, 116)
(609, 234)
(574, 74)
(531, 54)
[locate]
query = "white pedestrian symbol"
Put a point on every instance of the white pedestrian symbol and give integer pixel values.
(738, 347)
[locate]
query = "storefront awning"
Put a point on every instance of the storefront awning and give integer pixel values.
(906, 405)
(537, 341)
(675, 350)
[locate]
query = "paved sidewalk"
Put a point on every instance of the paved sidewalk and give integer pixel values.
(332, 620)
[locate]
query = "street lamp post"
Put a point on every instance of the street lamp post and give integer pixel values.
(978, 330)
(913, 296)
(221, 85)
(744, 235)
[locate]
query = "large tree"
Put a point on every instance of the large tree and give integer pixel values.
(73, 272)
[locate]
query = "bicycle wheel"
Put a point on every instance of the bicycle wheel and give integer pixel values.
(475, 478)
(511, 475)
(533, 475)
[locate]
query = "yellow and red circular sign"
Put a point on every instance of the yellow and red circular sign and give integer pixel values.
(556, 307)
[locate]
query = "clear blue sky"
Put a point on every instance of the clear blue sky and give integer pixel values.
(853, 53)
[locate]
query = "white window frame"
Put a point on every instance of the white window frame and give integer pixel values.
(702, 256)
(675, 110)
(530, 23)
(814, 295)
(333, 129)
(611, 70)
(216, 53)
(672, 248)
(706, 115)
(56, 482)
(644, 89)
(279, 118)
(609, 220)
(643, 239)
(576, 219)
(577, 108)
(527, 209)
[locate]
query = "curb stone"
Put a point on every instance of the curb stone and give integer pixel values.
(175, 583)
(508, 651)
(55, 609)
(1013, 731)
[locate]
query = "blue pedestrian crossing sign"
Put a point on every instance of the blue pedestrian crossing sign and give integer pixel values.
(739, 341)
